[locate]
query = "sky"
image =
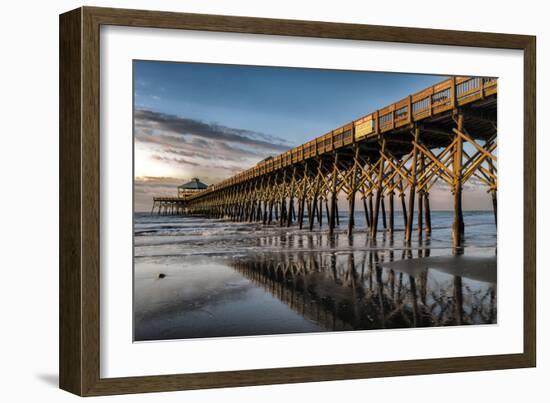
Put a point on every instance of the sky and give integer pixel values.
(211, 121)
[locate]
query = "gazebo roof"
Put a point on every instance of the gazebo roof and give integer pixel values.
(194, 184)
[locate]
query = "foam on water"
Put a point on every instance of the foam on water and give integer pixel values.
(176, 235)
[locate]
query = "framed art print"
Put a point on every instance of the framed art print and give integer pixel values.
(251, 201)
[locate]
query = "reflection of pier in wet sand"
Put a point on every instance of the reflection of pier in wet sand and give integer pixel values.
(359, 291)
(246, 280)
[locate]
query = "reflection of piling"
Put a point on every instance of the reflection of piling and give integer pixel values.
(414, 299)
(333, 293)
(458, 300)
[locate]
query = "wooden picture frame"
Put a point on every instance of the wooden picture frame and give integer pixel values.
(79, 200)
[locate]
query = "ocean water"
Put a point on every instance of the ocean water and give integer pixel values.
(196, 277)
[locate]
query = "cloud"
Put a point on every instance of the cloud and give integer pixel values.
(181, 126)
(177, 160)
(186, 148)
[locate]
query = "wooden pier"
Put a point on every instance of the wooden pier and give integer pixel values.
(169, 205)
(393, 155)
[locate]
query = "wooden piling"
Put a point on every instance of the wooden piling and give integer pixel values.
(420, 196)
(392, 212)
(301, 208)
(493, 192)
(310, 211)
(351, 213)
(351, 195)
(327, 209)
(302, 199)
(367, 215)
(371, 210)
(403, 205)
(378, 190)
(283, 203)
(419, 217)
(383, 208)
(427, 214)
(260, 212)
(251, 210)
(282, 214)
(458, 222)
(494, 199)
(291, 199)
(333, 196)
(312, 205)
(408, 232)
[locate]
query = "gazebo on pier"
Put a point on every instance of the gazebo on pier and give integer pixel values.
(190, 188)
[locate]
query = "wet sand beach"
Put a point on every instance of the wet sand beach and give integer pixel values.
(197, 277)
